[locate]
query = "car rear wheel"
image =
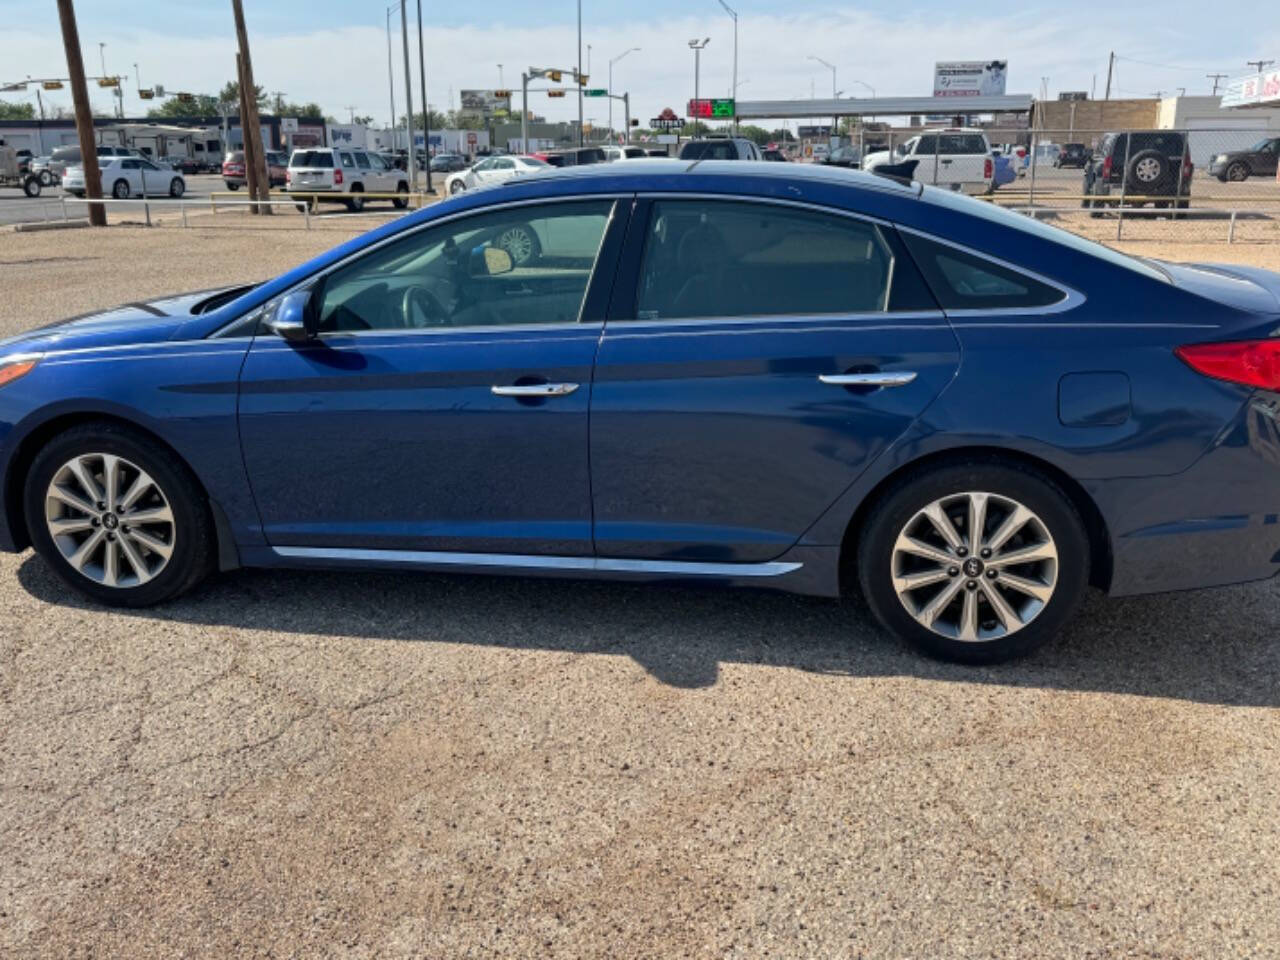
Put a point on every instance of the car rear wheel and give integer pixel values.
(176, 188)
(120, 190)
(31, 186)
(46, 178)
(118, 517)
(356, 204)
(976, 562)
(402, 200)
(232, 186)
(1237, 172)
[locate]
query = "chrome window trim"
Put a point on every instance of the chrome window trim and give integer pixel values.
(449, 218)
(771, 568)
(784, 318)
(1071, 298)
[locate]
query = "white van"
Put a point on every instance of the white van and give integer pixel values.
(347, 171)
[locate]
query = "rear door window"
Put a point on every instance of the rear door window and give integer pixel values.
(347, 160)
(311, 158)
(712, 258)
(362, 161)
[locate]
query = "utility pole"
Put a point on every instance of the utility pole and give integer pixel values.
(426, 107)
(1216, 78)
(411, 165)
(1258, 65)
(253, 128)
(84, 115)
(1111, 66)
(351, 113)
(250, 153)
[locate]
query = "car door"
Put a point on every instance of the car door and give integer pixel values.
(155, 180)
(131, 169)
(443, 404)
(479, 174)
(757, 357)
(1265, 161)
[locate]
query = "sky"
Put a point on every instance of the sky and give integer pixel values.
(334, 52)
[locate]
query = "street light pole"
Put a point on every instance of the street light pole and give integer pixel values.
(733, 13)
(411, 165)
(391, 81)
(426, 110)
(697, 48)
(611, 63)
(578, 77)
(835, 121)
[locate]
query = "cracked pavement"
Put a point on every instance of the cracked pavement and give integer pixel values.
(391, 765)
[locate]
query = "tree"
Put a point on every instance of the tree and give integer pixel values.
(759, 135)
(363, 121)
(201, 105)
(438, 120)
(458, 120)
(16, 111)
(231, 94)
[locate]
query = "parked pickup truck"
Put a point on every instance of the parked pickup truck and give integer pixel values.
(957, 158)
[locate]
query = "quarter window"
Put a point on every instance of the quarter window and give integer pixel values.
(515, 266)
(362, 161)
(964, 281)
(709, 258)
(347, 161)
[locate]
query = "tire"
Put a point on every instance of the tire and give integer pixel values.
(521, 242)
(1148, 171)
(46, 178)
(31, 186)
(177, 188)
(120, 189)
(401, 201)
(356, 204)
(1237, 172)
(188, 534)
(233, 186)
(456, 187)
(1053, 527)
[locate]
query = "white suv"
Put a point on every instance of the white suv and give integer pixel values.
(955, 158)
(319, 170)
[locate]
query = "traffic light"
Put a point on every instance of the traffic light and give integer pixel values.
(555, 93)
(186, 98)
(582, 80)
(502, 94)
(554, 76)
(145, 94)
(635, 121)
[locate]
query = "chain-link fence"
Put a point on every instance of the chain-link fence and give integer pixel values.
(1183, 185)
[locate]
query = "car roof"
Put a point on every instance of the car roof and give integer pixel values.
(649, 168)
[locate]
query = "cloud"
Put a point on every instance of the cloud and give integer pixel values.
(348, 65)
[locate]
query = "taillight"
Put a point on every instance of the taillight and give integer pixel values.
(337, 178)
(1252, 363)
(288, 176)
(1106, 167)
(988, 169)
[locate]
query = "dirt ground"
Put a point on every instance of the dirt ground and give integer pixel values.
(376, 765)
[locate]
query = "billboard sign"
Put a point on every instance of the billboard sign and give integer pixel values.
(1255, 88)
(484, 102)
(711, 109)
(969, 78)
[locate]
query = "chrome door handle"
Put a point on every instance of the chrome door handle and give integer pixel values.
(535, 390)
(900, 379)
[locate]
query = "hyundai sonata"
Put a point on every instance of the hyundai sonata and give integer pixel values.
(757, 374)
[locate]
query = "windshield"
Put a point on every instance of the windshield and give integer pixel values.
(1262, 146)
(533, 162)
(1019, 221)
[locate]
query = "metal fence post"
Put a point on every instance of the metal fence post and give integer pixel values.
(1231, 228)
(146, 209)
(63, 200)
(1124, 187)
(182, 205)
(306, 214)
(1031, 158)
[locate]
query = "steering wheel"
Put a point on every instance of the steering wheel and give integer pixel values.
(420, 308)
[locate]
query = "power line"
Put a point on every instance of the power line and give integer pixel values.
(1161, 66)
(1216, 78)
(1256, 64)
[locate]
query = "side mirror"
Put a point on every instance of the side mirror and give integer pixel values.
(489, 261)
(294, 319)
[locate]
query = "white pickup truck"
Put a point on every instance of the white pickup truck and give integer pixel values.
(959, 159)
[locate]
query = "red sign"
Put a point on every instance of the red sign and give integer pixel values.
(471, 138)
(699, 108)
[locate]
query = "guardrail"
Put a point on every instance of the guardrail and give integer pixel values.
(1121, 211)
(314, 197)
(182, 204)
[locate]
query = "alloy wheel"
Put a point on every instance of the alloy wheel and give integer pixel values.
(974, 566)
(517, 242)
(110, 520)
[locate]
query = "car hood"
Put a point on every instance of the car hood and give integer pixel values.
(143, 321)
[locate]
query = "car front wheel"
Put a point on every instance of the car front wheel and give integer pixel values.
(118, 517)
(976, 562)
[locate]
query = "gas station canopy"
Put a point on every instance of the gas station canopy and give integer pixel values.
(881, 106)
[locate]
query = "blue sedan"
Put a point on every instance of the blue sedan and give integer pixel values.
(755, 374)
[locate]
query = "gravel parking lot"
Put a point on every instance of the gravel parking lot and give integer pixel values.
(311, 764)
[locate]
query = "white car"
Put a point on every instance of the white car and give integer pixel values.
(955, 158)
(492, 170)
(124, 177)
(319, 170)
